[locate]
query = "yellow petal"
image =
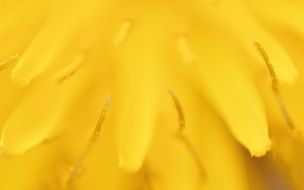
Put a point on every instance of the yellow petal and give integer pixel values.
(41, 111)
(234, 18)
(229, 85)
(10, 96)
(221, 157)
(31, 169)
(19, 22)
(72, 19)
(138, 90)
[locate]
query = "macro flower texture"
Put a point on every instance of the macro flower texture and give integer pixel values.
(151, 95)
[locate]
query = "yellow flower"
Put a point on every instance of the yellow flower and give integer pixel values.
(120, 94)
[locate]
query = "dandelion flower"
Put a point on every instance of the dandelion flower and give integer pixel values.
(121, 94)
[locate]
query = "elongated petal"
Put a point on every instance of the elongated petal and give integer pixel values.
(43, 108)
(230, 88)
(138, 90)
(220, 156)
(17, 17)
(234, 17)
(10, 97)
(42, 53)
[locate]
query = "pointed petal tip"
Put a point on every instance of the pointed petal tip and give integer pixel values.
(261, 151)
(130, 166)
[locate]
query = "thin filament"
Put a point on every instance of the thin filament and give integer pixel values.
(79, 162)
(182, 137)
(275, 87)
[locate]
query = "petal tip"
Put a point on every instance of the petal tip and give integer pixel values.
(130, 166)
(261, 151)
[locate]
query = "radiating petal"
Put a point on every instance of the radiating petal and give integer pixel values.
(138, 89)
(42, 109)
(230, 87)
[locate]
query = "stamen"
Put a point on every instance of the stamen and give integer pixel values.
(180, 112)
(79, 162)
(123, 32)
(8, 61)
(275, 86)
(182, 137)
(70, 70)
(185, 50)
